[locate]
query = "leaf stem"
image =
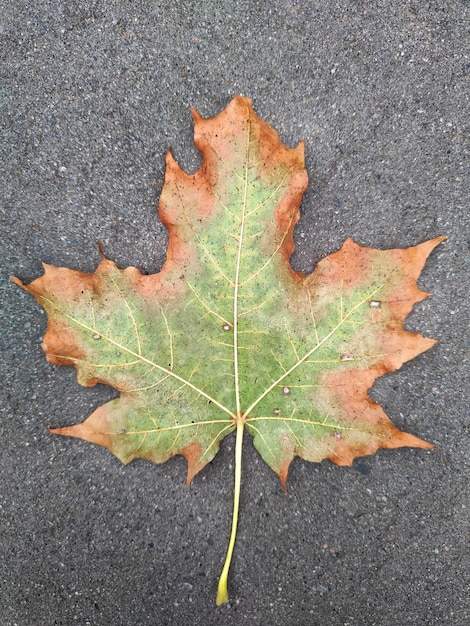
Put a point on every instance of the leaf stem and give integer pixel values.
(222, 593)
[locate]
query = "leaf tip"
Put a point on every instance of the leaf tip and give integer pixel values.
(65, 431)
(100, 250)
(403, 439)
(283, 472)
(170, 161)
(88, 431)
(192, 454)
(428, 246)
(437, 240)
(195, 115)
(18, 282)
(424, 249)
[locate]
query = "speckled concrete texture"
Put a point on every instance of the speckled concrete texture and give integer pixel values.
(92, 94)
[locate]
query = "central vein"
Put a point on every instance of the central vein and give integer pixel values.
(237, 278)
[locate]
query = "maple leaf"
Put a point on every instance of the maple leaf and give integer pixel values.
(228, 336)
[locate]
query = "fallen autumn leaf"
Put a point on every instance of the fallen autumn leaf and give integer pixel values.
(228, 336)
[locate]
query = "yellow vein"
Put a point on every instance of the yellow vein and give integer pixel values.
(208, 309)
(96, 365)
(170, 334)
(312, 386)
(136, 330)
(278, 361)
(299, 443)
(175, 439)
(237, 276)
(313, 315)
(211, 258)
(138, 447)
(366, 357)
(341, 316)
(271, 196)
(290, 340)
(259, 306)
(217, 437)
(225, 208)
(250, 425)
(263, 267)
(157, 429)
(134, 389)
(92, 306)
(304, 421)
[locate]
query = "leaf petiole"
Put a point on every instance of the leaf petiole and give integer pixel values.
(222, 593)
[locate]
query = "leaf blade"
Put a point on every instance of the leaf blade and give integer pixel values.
(227, 331)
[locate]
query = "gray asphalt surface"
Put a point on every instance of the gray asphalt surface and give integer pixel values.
(92, 95)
